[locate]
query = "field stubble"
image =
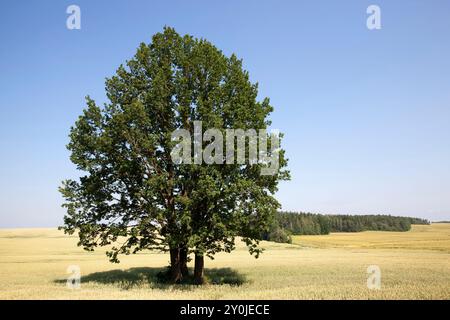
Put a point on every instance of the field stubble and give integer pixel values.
(414, 265)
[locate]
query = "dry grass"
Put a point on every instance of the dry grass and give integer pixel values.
(421, 237)
(414, 265)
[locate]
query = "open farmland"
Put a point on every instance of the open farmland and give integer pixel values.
(414, 265)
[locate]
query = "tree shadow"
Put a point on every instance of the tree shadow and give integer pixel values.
(157, 278)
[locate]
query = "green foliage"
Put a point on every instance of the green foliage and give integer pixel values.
(356, 223)
(303, 223)
(279, 235)
(314, 224)
(131, 194)
(418, 221)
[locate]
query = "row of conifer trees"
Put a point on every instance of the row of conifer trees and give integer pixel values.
(286, 224)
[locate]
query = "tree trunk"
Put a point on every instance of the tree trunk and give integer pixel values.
(183, 261)
(175, 266)
(198, 270)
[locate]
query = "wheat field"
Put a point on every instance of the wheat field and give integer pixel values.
(414, 265)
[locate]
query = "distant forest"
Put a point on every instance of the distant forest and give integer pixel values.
(286, 224)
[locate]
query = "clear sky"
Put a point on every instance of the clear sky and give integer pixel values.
(366, 113)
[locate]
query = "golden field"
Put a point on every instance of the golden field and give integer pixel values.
(414, 265)
(421, 237)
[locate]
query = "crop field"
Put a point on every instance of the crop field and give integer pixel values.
(421, 237)
(414, 265)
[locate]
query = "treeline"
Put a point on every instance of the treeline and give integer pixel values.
(286, 224)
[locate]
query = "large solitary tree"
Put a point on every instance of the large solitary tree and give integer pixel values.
(132, 196)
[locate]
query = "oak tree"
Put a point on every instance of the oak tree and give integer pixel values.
(132, 196)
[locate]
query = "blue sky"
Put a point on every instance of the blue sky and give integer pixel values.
(366, 114)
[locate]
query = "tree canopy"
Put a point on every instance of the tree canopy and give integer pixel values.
(132, 196)
(286, 224)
